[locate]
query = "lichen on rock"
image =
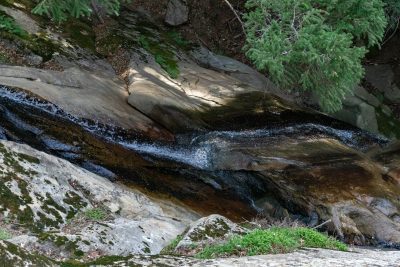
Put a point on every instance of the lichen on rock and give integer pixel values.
(44, 200)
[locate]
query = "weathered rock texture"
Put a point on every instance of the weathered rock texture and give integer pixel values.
(206, 231)
(239, 149)
(46, 199)
(14, 256)
(177, 12)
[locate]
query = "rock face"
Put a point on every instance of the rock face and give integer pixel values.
(203, 99)
(375, 110)
(177, 12)
(14, 256)
(383, 78)
(239, 150)
(206, 231)
(103, 98)
(52, 200)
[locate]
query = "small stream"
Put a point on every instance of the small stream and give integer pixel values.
(194, 149)
(188, 169)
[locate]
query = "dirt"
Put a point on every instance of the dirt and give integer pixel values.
(211, 23)
(389, 53)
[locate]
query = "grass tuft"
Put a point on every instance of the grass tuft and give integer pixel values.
(96, 214)
(272, 241)
(4, 234)
(169, 250)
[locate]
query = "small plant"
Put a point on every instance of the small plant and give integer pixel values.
(4, 234)
(7, 24)
(96, 214)
(169, 250)
(274, 240)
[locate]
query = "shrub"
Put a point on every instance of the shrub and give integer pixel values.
(392, 8)
(274, 240)
(311, 44)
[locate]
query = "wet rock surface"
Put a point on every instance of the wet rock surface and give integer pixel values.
(316, 173)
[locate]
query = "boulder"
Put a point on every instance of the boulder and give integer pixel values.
(360, 110)
(382, 77)
(177, 12)
(208, 230)
(50, 200)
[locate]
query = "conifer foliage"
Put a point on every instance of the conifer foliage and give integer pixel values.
(61, 10)
(314, 45)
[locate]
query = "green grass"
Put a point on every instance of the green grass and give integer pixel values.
(96, 214)
(4, 234)
(271, 241)
(169, 250)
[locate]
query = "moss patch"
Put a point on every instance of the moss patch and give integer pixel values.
(64, 243)
(162, 55)
(12, 255)
(81, 33)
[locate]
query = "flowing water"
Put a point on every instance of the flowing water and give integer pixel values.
(196, 151)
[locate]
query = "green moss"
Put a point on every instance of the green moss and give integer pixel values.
(13, 203)
(4, 59)
(163, 55)
(81, 33)
(215, 230)
(274, 240)
(28, 158)
(18, 204)
(75, 202)
(41, 45)
(62, 242)
(12, 255)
